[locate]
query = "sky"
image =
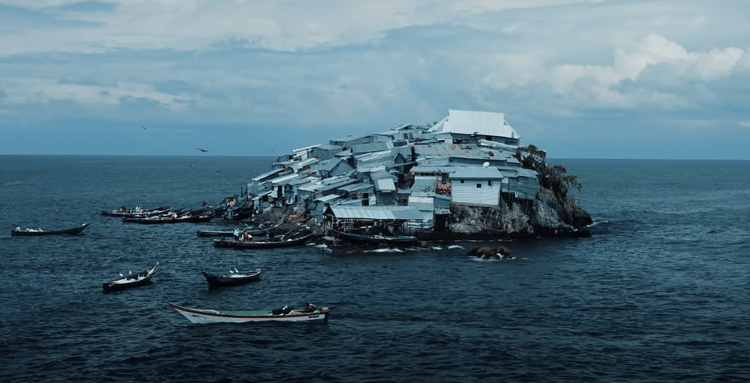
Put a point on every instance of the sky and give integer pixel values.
(657, 79)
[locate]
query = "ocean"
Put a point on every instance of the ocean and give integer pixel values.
(659, 292)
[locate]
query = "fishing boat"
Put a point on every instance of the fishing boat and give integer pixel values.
(203, 316)
(131, 280)
(238, 231)
(170, 218)
(378, 239)
(262, 244)
(232, 279)
(136, 212)
(38, 232)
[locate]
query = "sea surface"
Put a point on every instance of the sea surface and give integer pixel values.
(659, 293)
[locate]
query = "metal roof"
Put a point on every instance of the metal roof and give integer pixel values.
(475, 172)
(375, 212)
(384, 184)
(478, 123)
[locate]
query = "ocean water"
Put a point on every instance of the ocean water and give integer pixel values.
(659, 292)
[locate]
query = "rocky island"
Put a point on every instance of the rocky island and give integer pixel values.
(464, 177)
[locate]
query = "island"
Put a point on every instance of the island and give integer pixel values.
(464, 177)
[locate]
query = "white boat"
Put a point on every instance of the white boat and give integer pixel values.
(203, 316)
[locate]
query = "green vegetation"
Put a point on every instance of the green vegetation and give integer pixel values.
(554, 178)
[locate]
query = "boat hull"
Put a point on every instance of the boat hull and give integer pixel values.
(260, 244)
(216, 281)
(201, 316)
(140, 279)
(72, 231)
(378, 239)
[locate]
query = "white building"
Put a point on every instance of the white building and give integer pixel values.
(476, 186)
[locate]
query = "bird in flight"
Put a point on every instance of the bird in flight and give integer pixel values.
(144, 128)
(203, 150)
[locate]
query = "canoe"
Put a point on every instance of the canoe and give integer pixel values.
(132, 280)
(132, 213)
(232, 279)
(380, 239)
(233, 243)
(230, 233)
(38, 232)
(167, 219)
(203, 316)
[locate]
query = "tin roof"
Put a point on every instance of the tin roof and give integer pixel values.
(477, 123)
(474, 172)
(375, 212)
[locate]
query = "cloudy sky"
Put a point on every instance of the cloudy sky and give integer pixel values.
(579, 78)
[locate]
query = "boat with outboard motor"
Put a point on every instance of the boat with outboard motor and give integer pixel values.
(285, 314)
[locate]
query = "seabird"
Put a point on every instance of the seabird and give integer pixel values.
(203, 150)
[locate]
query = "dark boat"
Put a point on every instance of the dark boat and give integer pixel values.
(231, 233)
(378, 239)
(128, 281)
(135, 213)
(252, 244)
(39, 232)
(232, 279)
(163, 219)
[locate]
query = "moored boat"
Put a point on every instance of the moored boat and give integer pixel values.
(136, 212)
(131, 280)
(170, 218)
(378, 239)
(261, 244)
(204, 316)
(39, 232)
(231, 279)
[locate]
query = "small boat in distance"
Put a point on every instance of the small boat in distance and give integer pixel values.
(130, 280)
(135, 212)
(378, 239)
(232, 279)
(280, 241)
(38, 232)
(170, 218)
(203, 316)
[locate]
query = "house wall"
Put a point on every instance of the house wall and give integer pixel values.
(467, 191)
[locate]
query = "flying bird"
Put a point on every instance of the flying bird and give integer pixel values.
(143, 127)
(203, 150)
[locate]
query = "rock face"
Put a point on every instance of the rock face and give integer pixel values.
(546, 216)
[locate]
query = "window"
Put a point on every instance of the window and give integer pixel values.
(479, 186)
(489, 182)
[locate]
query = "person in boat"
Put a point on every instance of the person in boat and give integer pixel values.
(282, 311)
(246, 236)
(309, 307)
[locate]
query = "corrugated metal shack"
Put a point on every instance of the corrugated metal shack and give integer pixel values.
(466, 158)
(476, 186)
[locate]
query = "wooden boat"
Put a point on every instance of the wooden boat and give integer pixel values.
(252, 244)
(231, 279)
(163, 219)
(230, 233)
(132, 280)
(378, 239)
(38, 232)
(204, 316)
(132, 213)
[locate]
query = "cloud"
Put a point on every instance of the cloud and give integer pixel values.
(603, 84)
